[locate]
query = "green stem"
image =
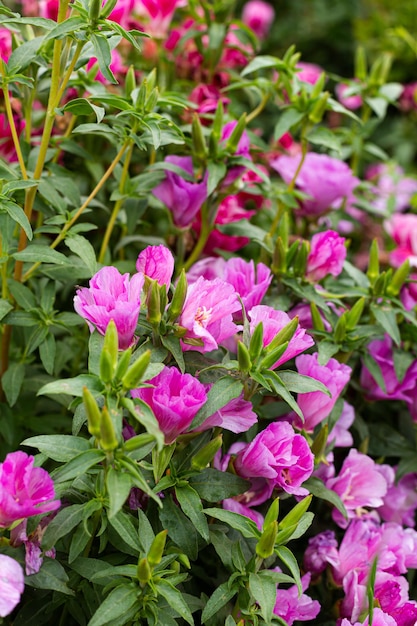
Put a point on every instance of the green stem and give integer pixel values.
(118, 204)
(258, 109)
(85, 204)
(10, 119)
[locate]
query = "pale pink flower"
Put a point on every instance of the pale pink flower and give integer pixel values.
(278, 455)
(316, 405)
(175, 399)
(393, 189)
(340, 434)
(400, 502)
(259, 16)
(380, 618)
(360, 483)
(111, 296)
(291, 606)
(157, 263)
(25, 490)
(403, 230)
(325, 180)
(237, 416)
(208, 314)
(320, 552)
(327, 255)
(273, 321)
(308, 72)
(348, 95)
(12, 584)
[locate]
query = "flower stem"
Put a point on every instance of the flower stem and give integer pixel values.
(10, 119)
(251, 116)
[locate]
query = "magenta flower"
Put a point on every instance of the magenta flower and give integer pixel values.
(249, 281)
(327, 255)
(237, 416)
(25, 490)
(308, 72)
(321, 551)
(278, 455)
(360, 483)
(292, 607)
(340, 434)
(258, 15)
(230, 210)
(175, 399)
(161, 13)
(111, 296)
(380, 618)
(403, 230)
(408, 98)
(12, 584)
(273, 321)
(230, 504)
(157, 263)
(182, 197)
(400, 502)
(316, 405)
(207, 314)
(33, 551)
(326, 180)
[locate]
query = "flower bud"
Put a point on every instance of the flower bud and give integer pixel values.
(353, 316)
(399, 279)
(94, 11)
(130, 81)
(361, 65)
(300, 263)
(199, 142)
(318, 86)
(154, 304)
(318, 446)
(156, 550)
(93, 413)
(256, 342)
(144, 572)
(152, 100)
(205, 456)
(340, 329)
(273, 356)
(111, 342)
(243, 358)
(136, 371)
(373, 267)
(318, 323)
(123, 364)
(108, 439)
(106, 366)
(108, 8)
(235, 137)
(178, 299)
(272, 513)
(266, 544)
(319, 108)
(284, 335)
(279, 257)
(216, 132)
(137, 442)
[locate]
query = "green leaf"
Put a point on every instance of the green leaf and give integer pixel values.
(23, 55)
(102, 51)
(51, 576)
(47, 352)
(288, 118)
(213, 485)
(327, 349)
(287, 557)
(173, 345)
(73, 386)
(317, 488)
(118, 488)
(302, 384)
(79, 465)
(223, 390)
(217, 600)
(70, 25)
(82, 247)
(42, 254)
(279, 388)
(48, 189)
(83, 106)
(324, 137)
(79, 540)
(18, 215)
(216, 173)
(263, 62)
(145, 416)
(190, 503)
(374, 370)
(123, 525)
(12, 381)
(61, 448)
(62, 524)
(239, 522)
(174, 598)
(5, 307)
(264, 591)
(180, 529)
(387, 319)
(118, 602)
(146, 533)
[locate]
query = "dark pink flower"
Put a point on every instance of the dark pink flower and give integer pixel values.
(111, 296)
(292, 607)
(157, 263)
(327, 255)
(207, 97)
(316, 405)
(250, 281)
(360, 483)
(12, 584)
(340, 432)
(175, 399)
(25, 490)
(308, 72)
(33, 551)
(208, 314)
(258, 15)
(321, 551)
(230, 210)
(408, 98)
(182, 197)
(326, 180)
(403, 230)
(161, 13)
(278, 455)
(273, 321)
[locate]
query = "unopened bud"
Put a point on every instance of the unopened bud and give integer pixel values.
(205, 456)
(144, 572)
(319, 108)
(178, 299)
(199, 143)
(156, 550)
(154, 304)
(266, 544)
(353, 316)
(108, 439)
(399, 279)
(235, 137)
(93, 413)
(243, 358)
(256, 342)
(136, 371)
(373, 267)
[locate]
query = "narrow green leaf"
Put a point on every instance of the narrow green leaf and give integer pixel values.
(51, 576)
(180, 530)
(5, 307)
(118, 602)
(223, 390)
(174, 598)
(40, 253)
(79, 465)
(239, 522)
(47, 352)
(102, 51)
(80, 246)
(290, 561)
(191, 505)
(289, 118)
(217, 600)
(387, 319)
(301, 384)
(119, 485)
(18, 215)
(264, 591)
(213, 485)
(317, 488)
(61, 448)
(12, 381)
(73, 386)
(123, 525)
(62, 524)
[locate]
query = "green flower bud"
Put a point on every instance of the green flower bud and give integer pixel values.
(273, 356)
(135, 443)
(154, 304)
(319, 108)
(284, 229)
(152, 100)
(93, 413)
(340, 329)
(178, 299)
(266, 544)
(318, 323)
(108, 8)
(123, 364)
(243, 358)
(144, 572)
(353, 316)
(399, 278)
(272, 513)
(94, 11)
(318, 86)
(111, 342)
(256, 342)
(130, 81)
(156, 550)
(205, 456)
(284, 335)
(199, 142)
(136, 371)
(108, 439)
(216, 132)
(279, 257)
(235, 137)
(361, 65)
(373, 267)
(106, 366)
(300, 262)
(318, 446)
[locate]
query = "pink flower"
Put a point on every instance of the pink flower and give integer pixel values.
(408, 98)
(175, 399)
(400, 502)
(237, 416)
(380, 618)
(316, 405)
(157, 263)
(207, 97)
(161, 13)
(33, 551)
(308, 72)
(326, 180)
(321, 551)
(359, 483)
(111, 296)
(25, 490)
(327, 255)
(249, 281)
(393, 189)
(230, 210)
(182, 197)
(340, 432)
(348, 95)
(273, 321)
(12, 584)
(278, 455)
(258, 15)
(403, 230)
(230, 504)
(208, 314)
(291, 606)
